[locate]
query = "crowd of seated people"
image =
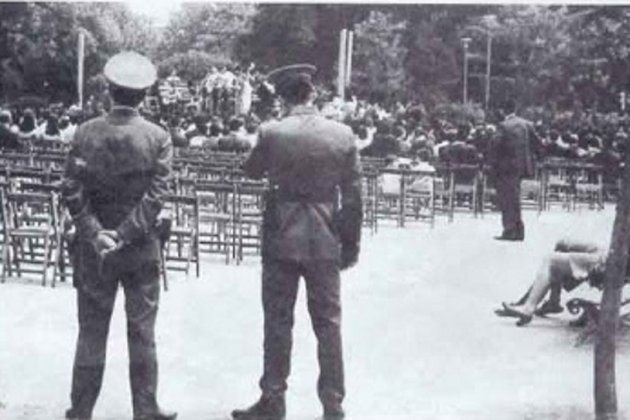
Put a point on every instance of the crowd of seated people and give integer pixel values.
(236, 134)
(408, 132)
(54, 124)
(383, 130)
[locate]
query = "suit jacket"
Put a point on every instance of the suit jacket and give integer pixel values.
(313, 166)
(117, 172)
(511, 149)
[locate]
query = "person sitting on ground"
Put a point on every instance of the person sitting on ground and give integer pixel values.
(570, 264)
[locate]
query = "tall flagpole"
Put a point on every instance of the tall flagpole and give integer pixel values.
(349, 58)
(341, 63)
(80, 60)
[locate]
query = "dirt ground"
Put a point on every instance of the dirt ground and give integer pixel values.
(420, 337)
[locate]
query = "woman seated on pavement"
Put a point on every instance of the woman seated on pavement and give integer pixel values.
(570, 264)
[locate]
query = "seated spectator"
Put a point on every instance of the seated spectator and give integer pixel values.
(235, 140)
(384, 142)
(8, 138)
(177, 133)
(572, 263)
(197, 134)
(48, 128)
(459, 152)
(555, 146)
(66, 130)
(28, 122)
(251, 129)
(216, 132)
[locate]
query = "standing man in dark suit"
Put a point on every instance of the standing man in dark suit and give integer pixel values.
(117, 173)
(511, 160)
(313, 168)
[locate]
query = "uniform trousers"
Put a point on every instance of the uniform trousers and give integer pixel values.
(279, 291)
(96, 294)
(508, 188)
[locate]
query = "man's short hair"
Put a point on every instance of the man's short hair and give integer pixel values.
(125, 96)
(510, 106)
(297, 91)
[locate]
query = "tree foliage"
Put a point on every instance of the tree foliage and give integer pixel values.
(380, 54)
(211, 28)
(559, 57)
(293, 33)
(39, 44)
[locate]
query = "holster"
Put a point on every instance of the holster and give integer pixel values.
(163, 227)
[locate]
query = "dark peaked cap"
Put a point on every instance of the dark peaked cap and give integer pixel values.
(284, 78)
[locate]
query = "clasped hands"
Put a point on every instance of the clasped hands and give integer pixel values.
(106, 242)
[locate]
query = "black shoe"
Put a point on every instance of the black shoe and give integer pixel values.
(549, 307)
(510, 236)
(266, 408)
(160, 415)
(72, 414)
(333, 413)
(523, 318)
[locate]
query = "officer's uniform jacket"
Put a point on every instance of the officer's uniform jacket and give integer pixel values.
(117, 172)
(511, 150)
(315, 177)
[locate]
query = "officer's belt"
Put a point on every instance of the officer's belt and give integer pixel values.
(286, 196)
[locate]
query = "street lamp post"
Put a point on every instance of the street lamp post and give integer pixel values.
(465, 42)
(488, 62)
(487, 27)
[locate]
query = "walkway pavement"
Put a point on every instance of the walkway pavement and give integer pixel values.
(421, 340)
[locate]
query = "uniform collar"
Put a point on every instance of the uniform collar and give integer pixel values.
(123, 111)
(303, 110)
(510, 116)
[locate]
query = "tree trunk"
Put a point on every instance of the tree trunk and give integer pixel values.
(605, 389)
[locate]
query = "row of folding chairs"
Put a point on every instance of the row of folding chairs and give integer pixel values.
(32, 231)
(571, 184)
(406, 194)
(221, 217)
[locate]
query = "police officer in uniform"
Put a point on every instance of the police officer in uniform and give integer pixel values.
(311, 229)
(116, 175)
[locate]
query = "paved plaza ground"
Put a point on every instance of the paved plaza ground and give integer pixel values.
(421, 340)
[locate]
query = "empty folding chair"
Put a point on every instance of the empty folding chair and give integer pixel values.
(249, 215)
(32, 237)
(183, 242)
(217, 202)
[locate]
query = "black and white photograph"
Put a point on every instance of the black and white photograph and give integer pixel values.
(314, 211)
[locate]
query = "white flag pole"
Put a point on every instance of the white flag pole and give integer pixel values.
(80, 60)
(341, 63)
(349, 57)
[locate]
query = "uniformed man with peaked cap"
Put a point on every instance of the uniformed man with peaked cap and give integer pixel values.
(311, 229)
(116, 175)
